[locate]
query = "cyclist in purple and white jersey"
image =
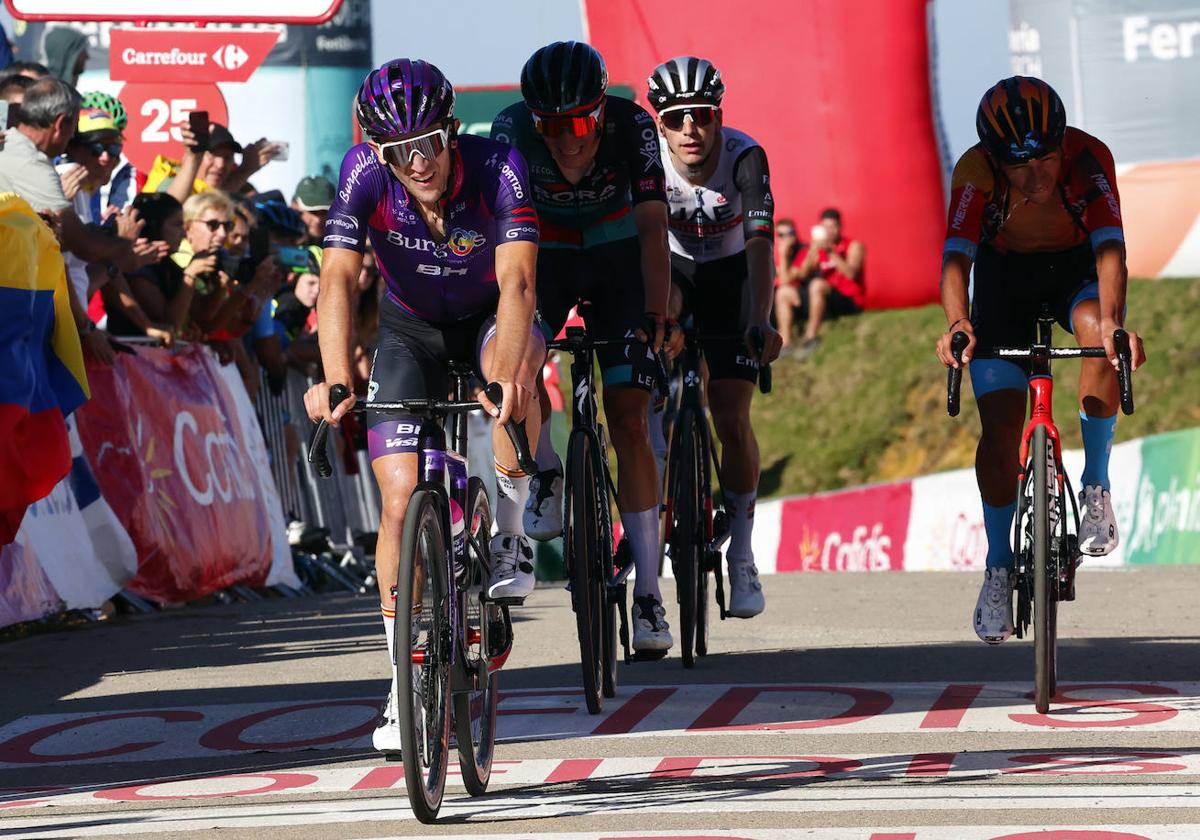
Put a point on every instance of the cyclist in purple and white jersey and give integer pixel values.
(455, 239)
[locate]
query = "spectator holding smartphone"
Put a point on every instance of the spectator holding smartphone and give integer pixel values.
(831, 268)
(208, 161)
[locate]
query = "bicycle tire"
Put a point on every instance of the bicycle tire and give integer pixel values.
(709, 562)
(581, 550)
(686, 551)
(1045, 603)
(423, 690)
(475, 711)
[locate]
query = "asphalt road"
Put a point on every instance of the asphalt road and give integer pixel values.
(858, 706)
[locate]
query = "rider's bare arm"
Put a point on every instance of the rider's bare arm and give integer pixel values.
(339, 274)
(651, 218)
(956, 268)
(516, 265)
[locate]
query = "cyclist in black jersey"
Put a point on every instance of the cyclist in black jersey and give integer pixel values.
(722, 271)
(597, 183)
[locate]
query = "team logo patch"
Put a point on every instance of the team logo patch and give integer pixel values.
(462, 242)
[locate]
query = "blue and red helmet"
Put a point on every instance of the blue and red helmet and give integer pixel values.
(403, 96)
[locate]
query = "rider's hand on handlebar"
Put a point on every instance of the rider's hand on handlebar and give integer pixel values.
(945, 354)
(514, 402)
(656, 323)
(770, 339)
(316, 403)
(1137, 350)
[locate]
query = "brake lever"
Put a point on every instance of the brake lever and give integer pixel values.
(515, 430)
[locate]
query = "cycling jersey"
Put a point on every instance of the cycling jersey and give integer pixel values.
(442, 282)
(627, 170)
(983, 209)
(735, 205)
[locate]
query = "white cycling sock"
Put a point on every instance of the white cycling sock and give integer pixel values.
(546, 457)
(740, 508)
(389, 630)
(641, 529)
(512, 489)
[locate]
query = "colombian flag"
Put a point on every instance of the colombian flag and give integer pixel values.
(41, 365)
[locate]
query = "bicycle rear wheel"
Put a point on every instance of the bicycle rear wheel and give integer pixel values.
(475, 711)
(583, 552)
(1045, 596)
(687, 551)
(423, 661)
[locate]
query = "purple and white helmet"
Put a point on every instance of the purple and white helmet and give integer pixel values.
(403, 96)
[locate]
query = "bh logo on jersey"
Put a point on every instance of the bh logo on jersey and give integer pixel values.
(463, 242)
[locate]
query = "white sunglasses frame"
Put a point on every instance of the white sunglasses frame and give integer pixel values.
(383, 147)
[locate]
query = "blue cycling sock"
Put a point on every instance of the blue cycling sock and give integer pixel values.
(1097, 446)
(997, 524)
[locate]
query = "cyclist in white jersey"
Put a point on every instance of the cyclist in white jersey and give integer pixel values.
(721, 231)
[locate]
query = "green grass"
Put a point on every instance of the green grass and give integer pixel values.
(869, 405)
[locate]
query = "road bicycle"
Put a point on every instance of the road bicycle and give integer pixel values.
(694, 534)
(446, 674)
(1045, 538)
(597, 573)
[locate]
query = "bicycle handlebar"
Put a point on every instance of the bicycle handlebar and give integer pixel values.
(318, 454)
(959, 340)
(577, 340)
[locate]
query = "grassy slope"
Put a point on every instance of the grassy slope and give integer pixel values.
(870, 404)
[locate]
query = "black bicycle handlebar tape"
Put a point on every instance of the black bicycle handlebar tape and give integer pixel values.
(764, 370)
(516, 431)
(1124, 370)
(958, 343)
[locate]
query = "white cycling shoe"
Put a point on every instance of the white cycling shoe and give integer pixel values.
(512, 568)
(745, 590)
(650, 628)
(386, 737)
(1097, 523)
(993, 610)
(543, 517)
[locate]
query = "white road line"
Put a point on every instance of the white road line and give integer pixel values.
(961, 832)
(808, 799)
(534, 714)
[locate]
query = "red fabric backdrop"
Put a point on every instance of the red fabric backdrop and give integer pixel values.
(838, 94)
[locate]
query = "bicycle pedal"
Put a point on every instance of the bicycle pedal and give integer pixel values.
(647, 655)
(393, 756)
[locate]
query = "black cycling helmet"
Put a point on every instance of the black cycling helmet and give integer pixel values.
(685, 79)
(564, 77)
(1020, 118)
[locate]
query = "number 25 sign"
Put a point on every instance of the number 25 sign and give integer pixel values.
(156, 113)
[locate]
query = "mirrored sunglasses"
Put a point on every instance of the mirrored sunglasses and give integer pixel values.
(701, 115)
(429, 146)
(580, 125)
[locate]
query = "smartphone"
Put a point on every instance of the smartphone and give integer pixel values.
(817, 232)
(283, 149)
(14, 115)
(297, 259)
(198, 122)
(4, 123)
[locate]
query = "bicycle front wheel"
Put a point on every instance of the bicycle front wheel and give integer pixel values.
(475, 710)
(1045, 599)
(583, 552)
(423, 662)
(687, 550)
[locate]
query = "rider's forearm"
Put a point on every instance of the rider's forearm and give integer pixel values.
(761, 271)
(334, 325)
(1114, 278)
(955, 270)
(656, 254)
(515, 274)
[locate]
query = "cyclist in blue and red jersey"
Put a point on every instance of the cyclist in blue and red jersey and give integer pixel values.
(598, 188)
(1034, 206)
(455, 240)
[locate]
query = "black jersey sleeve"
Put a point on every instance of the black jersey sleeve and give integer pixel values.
(752, 178)
(639, 138)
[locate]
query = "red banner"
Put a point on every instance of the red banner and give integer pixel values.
(185, 55)
(849, 531)
(163, 437)
(156, 113)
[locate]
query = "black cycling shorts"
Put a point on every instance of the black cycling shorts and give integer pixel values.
(609, 278)
(1009, 295)
(412, 362)
(714, 295)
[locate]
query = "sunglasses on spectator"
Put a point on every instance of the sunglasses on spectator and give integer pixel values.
(213, 224)
(97, 149)
(786, 231)
(701, 116)
(429, 146)
(577, 125)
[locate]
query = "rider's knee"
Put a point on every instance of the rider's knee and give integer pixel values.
(395, 503)
(626, 424)
(732, 426)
